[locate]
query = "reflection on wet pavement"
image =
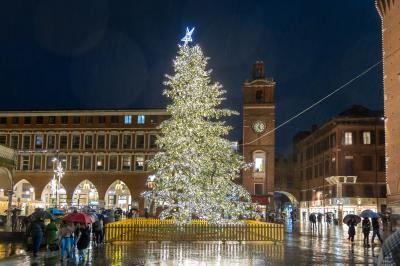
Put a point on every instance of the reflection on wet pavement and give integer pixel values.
(302, 246)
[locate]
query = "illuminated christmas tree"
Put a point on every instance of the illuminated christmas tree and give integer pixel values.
(194, 171)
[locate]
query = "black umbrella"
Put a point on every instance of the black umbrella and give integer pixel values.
(41, 215)
(351, 217)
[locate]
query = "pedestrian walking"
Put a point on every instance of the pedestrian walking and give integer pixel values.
(352, 231)
(366, 228)
(375, 230)
(313, 221)
(98, 231)
(64, 238)
(83, 241)
(51, 236)
(14, 217)
(36, 229)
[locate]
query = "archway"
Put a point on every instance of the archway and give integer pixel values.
(24, 193)
(286, 202)
(118, 195)
(54, 195)
(5, 185)
(85, 194)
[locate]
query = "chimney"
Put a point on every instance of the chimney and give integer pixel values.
(258, 70)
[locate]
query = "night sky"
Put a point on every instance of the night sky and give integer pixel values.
(114, 54)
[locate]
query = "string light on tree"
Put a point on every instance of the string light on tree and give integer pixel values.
(194, 171)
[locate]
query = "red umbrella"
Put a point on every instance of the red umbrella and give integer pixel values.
(78, 217)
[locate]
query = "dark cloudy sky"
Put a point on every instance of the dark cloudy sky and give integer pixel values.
(114, 54)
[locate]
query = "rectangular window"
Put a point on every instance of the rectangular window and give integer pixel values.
(27, 120)
(3, 139)
(88, 142)
(366, 135)
(63, 160)
(39, 120)
(14, 142)
(101, 119)
(77, 119)
(89, 119)
(75, 162)
(27, 142)
(367, 163)
(37, 162)
(139, 141)
(51, 141)
(3, 120)
(101, 142)
(114, 119)
(52, 120)
(63, 142)
(113, 162)
(113, 141)
(64, 120)
(258, 189)
(100, 162)
(76, 141)
(39, 141)
(140, 119)
(49, 162)
(348, 138)
(152, 142)
(382, 163)
(126, 141)
(15, 120)
(126, 162)
(87, 162)
(25, 162)
(128, 120)
(139, 166)
(154, 120)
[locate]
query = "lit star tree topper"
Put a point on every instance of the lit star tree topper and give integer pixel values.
(188, 37)
(195, 169)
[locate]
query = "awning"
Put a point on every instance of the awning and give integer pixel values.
(260, 199)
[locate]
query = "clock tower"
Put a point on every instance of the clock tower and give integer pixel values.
(258, 146)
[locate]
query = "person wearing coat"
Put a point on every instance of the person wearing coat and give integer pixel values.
(352, 231)
(51, 236)
(36, 229)
(83, 241)
(366, 228)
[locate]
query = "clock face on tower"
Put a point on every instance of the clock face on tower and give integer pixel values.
(259, 126)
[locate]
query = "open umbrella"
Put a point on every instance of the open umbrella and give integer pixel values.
(369, 214)
(56, 211)
(41, 215)
(78, 217)
(351, 217)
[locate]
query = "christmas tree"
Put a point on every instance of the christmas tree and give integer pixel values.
(194, 171)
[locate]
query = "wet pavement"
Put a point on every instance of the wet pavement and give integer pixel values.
(302, 246)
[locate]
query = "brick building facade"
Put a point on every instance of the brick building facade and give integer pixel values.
(258, 148)
(341, 164)
(389, 11)
(103, 153)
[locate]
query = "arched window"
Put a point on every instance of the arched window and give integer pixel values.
(259, 162)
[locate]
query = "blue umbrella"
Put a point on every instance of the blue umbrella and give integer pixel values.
(369, 214)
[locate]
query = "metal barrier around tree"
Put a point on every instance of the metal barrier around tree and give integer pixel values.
(139, 229)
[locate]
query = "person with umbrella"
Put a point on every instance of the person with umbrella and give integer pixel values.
(51, 236)
(352, 231)
(83, 240)
(375, 230)
(366, 228)
(313, 221)
(390, 251)
(35, 230)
